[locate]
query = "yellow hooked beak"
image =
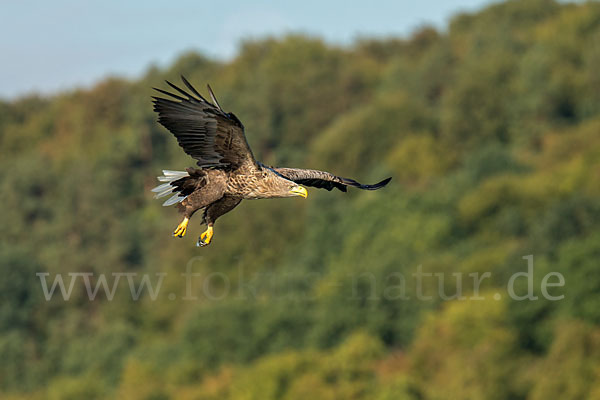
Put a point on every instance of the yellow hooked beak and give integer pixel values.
(299, 191)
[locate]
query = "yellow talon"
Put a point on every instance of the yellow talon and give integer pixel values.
(205, 237)
(181, 228)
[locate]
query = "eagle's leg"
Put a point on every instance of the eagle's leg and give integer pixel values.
(205, 237)
(198, 199)
(181, 228)
(214, 211)
(187, 210)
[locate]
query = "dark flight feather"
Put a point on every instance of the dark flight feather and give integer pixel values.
(193, 89)
(183, 92)
(325, 180)
(214, 99)
(214, 138)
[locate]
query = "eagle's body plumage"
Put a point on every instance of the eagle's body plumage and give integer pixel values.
(228, 172)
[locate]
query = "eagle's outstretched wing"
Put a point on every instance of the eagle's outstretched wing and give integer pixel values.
(324, 180)
(204, 131)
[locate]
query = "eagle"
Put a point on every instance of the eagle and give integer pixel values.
(227, 171)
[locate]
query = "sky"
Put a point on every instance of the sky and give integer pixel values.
(48, 46)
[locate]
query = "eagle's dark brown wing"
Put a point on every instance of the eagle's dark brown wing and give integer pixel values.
(204, 131)
(324, 180)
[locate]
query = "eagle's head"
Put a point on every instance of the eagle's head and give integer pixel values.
(273, 185)
(285, 188)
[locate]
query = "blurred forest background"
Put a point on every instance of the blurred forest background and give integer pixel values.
(491, 131)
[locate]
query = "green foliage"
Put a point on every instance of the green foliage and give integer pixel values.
(578, 260)
(469, 350)
(571, 370)
(490, 131)
(71, 388)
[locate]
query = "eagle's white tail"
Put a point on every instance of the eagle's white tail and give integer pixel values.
(166, 188)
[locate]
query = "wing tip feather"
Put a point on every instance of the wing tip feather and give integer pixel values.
(192, 88)
(214, 98)
(378, 185)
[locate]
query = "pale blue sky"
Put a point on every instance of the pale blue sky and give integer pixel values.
(60, 44)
